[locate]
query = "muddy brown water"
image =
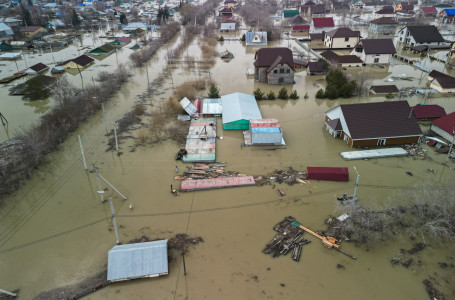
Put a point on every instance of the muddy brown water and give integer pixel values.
(55, 231)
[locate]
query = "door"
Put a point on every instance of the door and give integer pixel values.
(281, 80)
(376, 60)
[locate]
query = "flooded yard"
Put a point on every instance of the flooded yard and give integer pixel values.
(55, 231)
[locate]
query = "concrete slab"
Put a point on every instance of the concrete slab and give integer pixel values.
(376, 153)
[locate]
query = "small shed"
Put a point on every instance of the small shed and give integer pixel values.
(238, 110)
(384, 89)
(428, 112)
(328, 173)
(188, 107)
(212, 107)
(315, 68)
(140, 260)
(266, 132)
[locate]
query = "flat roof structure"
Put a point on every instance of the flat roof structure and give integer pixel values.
(376, 153)
(140, 260)
(212, 106)
(216, 183)
(200, 141)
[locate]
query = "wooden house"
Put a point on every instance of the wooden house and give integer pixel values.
(373, 124)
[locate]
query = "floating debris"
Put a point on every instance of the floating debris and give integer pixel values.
(415, 150)
(288, 238)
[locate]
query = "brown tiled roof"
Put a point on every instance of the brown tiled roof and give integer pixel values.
(377, 46)
(317, 36)
(380, 120)
(83, 60)
(316, 66)
(39, 67)
(318, 9)
(384, 20)
(342, 59)
(407, 6)
(425, 33)
(385, 10)
(446, 82)
(343, 32)
(265, 57)
(428, 111)
(384, 89)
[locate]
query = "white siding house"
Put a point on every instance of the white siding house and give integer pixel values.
(374, 51)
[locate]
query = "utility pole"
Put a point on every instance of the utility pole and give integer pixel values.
(104, 117)
(2, 291)
(354, 198)
(115, 135)
(111, 186)
(113, 220)
(100, 191)
(82, 152)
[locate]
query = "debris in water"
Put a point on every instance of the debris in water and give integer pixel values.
(432, 291)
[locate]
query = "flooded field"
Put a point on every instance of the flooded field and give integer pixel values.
(55, 230)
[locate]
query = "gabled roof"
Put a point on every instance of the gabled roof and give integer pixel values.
(6, 29)
(429, 10)
(239, 106)
(436, 74)
(279, 60)
(341, 59)
(39, 67)
(406, 6)
(384, 20)
(323, 22)
(266, 57)
(380, 120)
(31, 28)
(425, 33)
(335, 124)
(316, 36)
(343, 32)
(384, 89)
(450, 11)
(105, 48)
(377, 46)
(301, 27)
(428, 111)
(298, 20)
(318, 9)
(82, 60)
(316, 66)
(250, 38)
(446, 123)
(446, 82)
(386, 10)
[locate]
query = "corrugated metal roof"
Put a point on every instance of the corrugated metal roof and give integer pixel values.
(188, 106)
(227, 26)
(212, 106)
(265, 130)
(239, 106)
(139, 260)
(256, 38)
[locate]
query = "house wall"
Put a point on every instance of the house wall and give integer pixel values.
(266, 138)
(370, 58)
(340, 42)
(260, 74)
(281, 71)
(389, 141)
(382, 28)
(405, 36)
(237, 125)
(300, 32)
(347, 65)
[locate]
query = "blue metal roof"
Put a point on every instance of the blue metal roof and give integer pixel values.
(450, 11)
(256, 38)
(265, 129)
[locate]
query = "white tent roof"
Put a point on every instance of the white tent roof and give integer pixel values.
(239, 106)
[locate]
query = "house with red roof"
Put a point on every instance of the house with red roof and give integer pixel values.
(301, 30)
(373, 124)
(445, 127)
(428, 12)
(342, 37)
(428, 112)
(323, 24)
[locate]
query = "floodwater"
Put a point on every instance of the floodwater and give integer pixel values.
(55, 230)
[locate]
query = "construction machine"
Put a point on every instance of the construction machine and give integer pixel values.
(327, 241)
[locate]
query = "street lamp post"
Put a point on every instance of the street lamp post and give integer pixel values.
(356, 183)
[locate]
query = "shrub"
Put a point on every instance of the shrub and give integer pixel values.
(390, 96)
(306, 96)
(243, 38)
(258, 94)
(139, 109)
(320, 94)
(294, 95)
(221, 39)
(283, 94)
(271, 95)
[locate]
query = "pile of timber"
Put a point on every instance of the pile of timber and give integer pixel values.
(206, 171)
(288, 238)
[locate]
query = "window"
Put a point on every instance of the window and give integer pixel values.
(381, 142)
(400, 39)
(287, 71)
(346, 39)
(275, 71)
(376, 60)
(281, 70)
(281, 80)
